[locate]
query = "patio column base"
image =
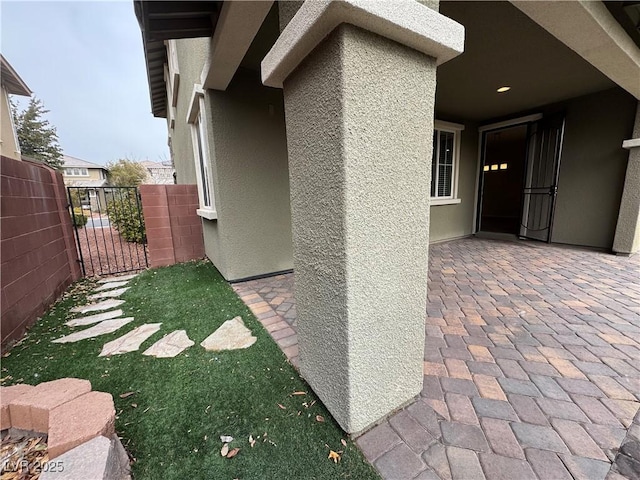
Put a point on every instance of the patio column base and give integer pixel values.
(627, 238)
(359, 116)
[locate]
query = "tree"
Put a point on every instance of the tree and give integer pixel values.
(38, 139)
(126, 173)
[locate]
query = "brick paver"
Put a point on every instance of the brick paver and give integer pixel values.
(531, 363)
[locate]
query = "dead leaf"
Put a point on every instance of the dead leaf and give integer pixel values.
(282, 406)
(319, 418)
(334, 456)
(252, 442)
(134, 405)
(233, 453)
(226, 438)
(224, 450)
(125, 395)
(343, 442)
(299, 393)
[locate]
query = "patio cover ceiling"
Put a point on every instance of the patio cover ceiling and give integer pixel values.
(165, 20)
(506, 48)
(628, 15)
(503, 47)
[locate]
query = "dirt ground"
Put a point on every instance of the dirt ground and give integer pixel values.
(105, 252)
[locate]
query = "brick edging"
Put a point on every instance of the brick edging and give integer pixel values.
(66, 410)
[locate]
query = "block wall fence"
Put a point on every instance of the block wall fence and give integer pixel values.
(38, 254)
(174, 229)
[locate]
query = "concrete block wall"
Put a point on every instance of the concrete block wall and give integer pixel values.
(174, 229)
(38, 255)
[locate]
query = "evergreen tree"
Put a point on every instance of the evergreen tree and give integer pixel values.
(38, 139)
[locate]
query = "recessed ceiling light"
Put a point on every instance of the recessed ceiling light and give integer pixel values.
(504, 89)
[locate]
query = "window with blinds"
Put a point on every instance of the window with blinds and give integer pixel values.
(443, 164)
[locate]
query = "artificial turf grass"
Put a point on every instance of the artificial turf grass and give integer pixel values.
(172, 423)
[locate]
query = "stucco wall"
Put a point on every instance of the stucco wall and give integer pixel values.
(93, 174)
(8, 147)
(454, 221)
(252, 235)
(360, 169)
(627, 239)
(191, 54)
(593, 167)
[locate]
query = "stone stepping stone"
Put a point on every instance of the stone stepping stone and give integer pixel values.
(102, 328)
(98, 317)
(122, 278)
(130, 342)
(110, 286)
(96, 307)
(231, 335)
(109, 294)
(170, 345)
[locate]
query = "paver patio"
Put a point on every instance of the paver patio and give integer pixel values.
(531, 364)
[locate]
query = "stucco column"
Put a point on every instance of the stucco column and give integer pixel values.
(627, 239)
(359, 81)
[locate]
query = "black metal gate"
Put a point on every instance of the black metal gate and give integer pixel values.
(541, 178)
(109, 229)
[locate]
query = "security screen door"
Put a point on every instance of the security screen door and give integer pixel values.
(541, 177)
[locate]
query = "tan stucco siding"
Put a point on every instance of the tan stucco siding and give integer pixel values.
(249, 151)
(454, 221)
(191, 54)
(8, 144)
(93, 174)
(592, 169)
(248, 157)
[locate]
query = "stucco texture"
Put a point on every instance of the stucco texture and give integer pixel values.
(248, 158)
(247, 140)
(592, 168)
(359, 113)
(627, 239)
(191, 53)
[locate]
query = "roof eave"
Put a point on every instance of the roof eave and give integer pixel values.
(12, 82)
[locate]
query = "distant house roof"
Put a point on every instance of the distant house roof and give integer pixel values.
(159, 173)
(11, 80)
(150, 164)
(78, 163)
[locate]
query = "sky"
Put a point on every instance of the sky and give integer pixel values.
(85, 61)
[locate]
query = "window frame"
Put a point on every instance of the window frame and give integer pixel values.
(201, 154)
(70, 172)
(456, 129)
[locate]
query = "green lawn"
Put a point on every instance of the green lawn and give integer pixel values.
(181, 405)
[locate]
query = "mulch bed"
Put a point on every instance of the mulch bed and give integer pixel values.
(23, 458)
(105, 252)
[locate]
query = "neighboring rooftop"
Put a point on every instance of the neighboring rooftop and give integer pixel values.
(78, 163)
(159, 173)
(11, 80)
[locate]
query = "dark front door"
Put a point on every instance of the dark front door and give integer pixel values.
(504, 159)
(541, 178)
